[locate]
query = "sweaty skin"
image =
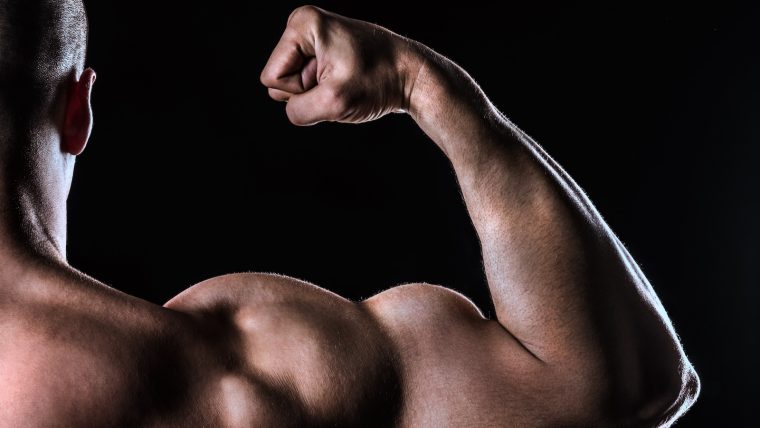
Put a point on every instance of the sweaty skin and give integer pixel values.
(580, 337)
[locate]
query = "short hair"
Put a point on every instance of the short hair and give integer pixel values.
(42, 42)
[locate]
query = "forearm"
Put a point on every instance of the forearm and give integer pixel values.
(561, 282)
(534, 225)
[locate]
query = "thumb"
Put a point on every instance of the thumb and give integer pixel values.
(324, 102)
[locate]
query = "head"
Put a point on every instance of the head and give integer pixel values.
(45, 117)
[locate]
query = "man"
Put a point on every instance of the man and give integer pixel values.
(580, 337)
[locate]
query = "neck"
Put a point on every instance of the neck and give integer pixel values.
(35, 175)
(32, 224)
(34, 183)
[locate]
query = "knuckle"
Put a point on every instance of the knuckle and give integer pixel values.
(306, 13)
(269, 78)
(265, 77)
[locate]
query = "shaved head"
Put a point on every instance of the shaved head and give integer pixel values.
(42, 43)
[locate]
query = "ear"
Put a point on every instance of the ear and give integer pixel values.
(77, 122)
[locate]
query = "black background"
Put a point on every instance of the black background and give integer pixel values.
(193, 172)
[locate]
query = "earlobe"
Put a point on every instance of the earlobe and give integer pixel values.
(77, 123)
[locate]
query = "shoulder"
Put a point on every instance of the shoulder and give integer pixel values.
(271, 306)
(308, 346)
(236, 288)
(280, 325)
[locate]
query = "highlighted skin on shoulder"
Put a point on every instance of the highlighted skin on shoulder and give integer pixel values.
(324, 353)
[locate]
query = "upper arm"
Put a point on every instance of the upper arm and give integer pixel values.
(445, 344)
(459, 366)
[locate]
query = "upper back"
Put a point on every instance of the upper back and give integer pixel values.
(75, 353)
(239, 350)
(258, 350)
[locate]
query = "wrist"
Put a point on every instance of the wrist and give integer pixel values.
(448, 105)
(412, 66)
(434, 86)
(431, 90)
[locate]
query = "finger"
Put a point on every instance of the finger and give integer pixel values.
(283, 69)
(322, 103)
(292, 66)
(279, 95)
(309, 74)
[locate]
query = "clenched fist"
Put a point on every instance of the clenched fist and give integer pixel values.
(332, 68)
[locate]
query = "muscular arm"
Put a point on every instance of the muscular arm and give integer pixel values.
(563, 285)
(561, 281)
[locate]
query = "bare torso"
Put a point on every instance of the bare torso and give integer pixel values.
(249, 350)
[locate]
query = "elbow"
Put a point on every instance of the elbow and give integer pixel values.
(652, 397)
(675, 401)
(662, 407)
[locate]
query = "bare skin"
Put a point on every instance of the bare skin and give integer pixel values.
(580, 338)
